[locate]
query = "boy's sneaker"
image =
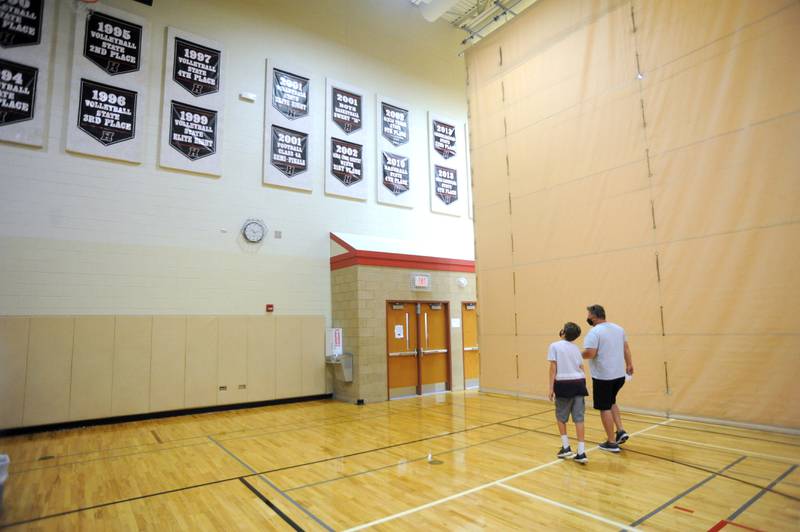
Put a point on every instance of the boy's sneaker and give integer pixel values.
(622, 437)
(564, 452)
(581, 458)
(610, 447)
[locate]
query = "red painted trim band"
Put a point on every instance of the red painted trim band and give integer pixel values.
(396, 260)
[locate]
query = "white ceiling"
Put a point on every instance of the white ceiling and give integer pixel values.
(477, 18)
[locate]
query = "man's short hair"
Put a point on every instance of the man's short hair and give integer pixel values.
(571, 331)
(598, 311)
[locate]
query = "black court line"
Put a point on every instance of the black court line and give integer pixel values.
(744, 436)
(686, 492)
(272, 506)
(761, 493)
(413, 460)
(220, 481)
(264, 479)
(628, 449)
(119, 501)
(203, 437)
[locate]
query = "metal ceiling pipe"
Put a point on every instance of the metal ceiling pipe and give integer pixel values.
(434, 9)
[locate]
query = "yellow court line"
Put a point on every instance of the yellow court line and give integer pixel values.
(481, 487)
(732, 449)
(621, 526)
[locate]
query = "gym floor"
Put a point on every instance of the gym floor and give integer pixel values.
(464, 460)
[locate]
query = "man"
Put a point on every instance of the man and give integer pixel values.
(606, 348)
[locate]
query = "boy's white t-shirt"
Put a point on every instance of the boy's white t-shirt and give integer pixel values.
(568, 360)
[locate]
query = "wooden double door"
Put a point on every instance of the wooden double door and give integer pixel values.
(472, 352)
(418, 347)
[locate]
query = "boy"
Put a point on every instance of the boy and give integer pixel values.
(568, 385)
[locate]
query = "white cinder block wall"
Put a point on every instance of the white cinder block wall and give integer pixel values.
(80, 235)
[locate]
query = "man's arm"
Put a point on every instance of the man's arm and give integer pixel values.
(628, 360)
(552, 378)
(589, 352)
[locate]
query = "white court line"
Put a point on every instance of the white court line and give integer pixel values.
(621, 526)
(732, 449)
(481, 487)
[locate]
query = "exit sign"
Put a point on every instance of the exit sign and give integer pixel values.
(420, 281)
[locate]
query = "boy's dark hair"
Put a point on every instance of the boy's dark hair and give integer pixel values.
(598, 311)
(571, 331)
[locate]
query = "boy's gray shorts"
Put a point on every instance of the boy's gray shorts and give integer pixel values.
(574, 405)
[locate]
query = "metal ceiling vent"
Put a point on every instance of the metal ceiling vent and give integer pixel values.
(476, 17)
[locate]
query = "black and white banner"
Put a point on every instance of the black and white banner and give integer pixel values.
(349, 144)
(113, 44)
(17, 92)
(21, 22)
(26, 28)
(291, 150)
(348, 110)
(395, 173)
(347, 162)
(107, 114)
(193, 104)
(192, 130)
(394, 123)
(444, 138)
(109, 82)
(289, 94)
(448, 165)
(394, 153)
(446, 182)
(195, 67)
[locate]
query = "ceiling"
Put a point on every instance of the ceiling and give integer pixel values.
(476, 18)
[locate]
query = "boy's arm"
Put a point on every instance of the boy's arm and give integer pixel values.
(628, 360)
(552, 378)
(589, 352)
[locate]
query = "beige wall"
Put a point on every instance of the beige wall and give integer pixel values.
(82, 235)
(360, 294)
(70, 368)
(670, 195)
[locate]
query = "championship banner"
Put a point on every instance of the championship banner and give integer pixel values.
(290, 148)
(447, 158)
(394, 153)
(109, 79)
(193, 104)
(348, 141)
(26, 29)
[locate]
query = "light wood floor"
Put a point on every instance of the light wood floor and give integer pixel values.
(329, 465)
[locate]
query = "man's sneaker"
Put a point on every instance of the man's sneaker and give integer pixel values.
(564, 452)
(610, 447)
(622, 437)
(581, 458)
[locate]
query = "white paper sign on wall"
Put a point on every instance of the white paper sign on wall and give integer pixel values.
(110, 72)
(26, 36)
(398, 331)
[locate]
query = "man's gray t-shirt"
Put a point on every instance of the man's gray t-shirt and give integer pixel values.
(609, 340)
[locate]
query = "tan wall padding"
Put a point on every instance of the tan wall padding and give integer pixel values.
(289, 350)
(168, 363)
(232, 359)
(92, 367)
(649, 151)
(13, 361)
(47, 381)
(202, 350)
(261, 358)
(132, 357)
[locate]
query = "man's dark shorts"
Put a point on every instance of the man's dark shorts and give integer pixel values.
(604, 393)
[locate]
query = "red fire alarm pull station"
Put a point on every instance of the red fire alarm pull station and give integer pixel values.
(270, 307)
